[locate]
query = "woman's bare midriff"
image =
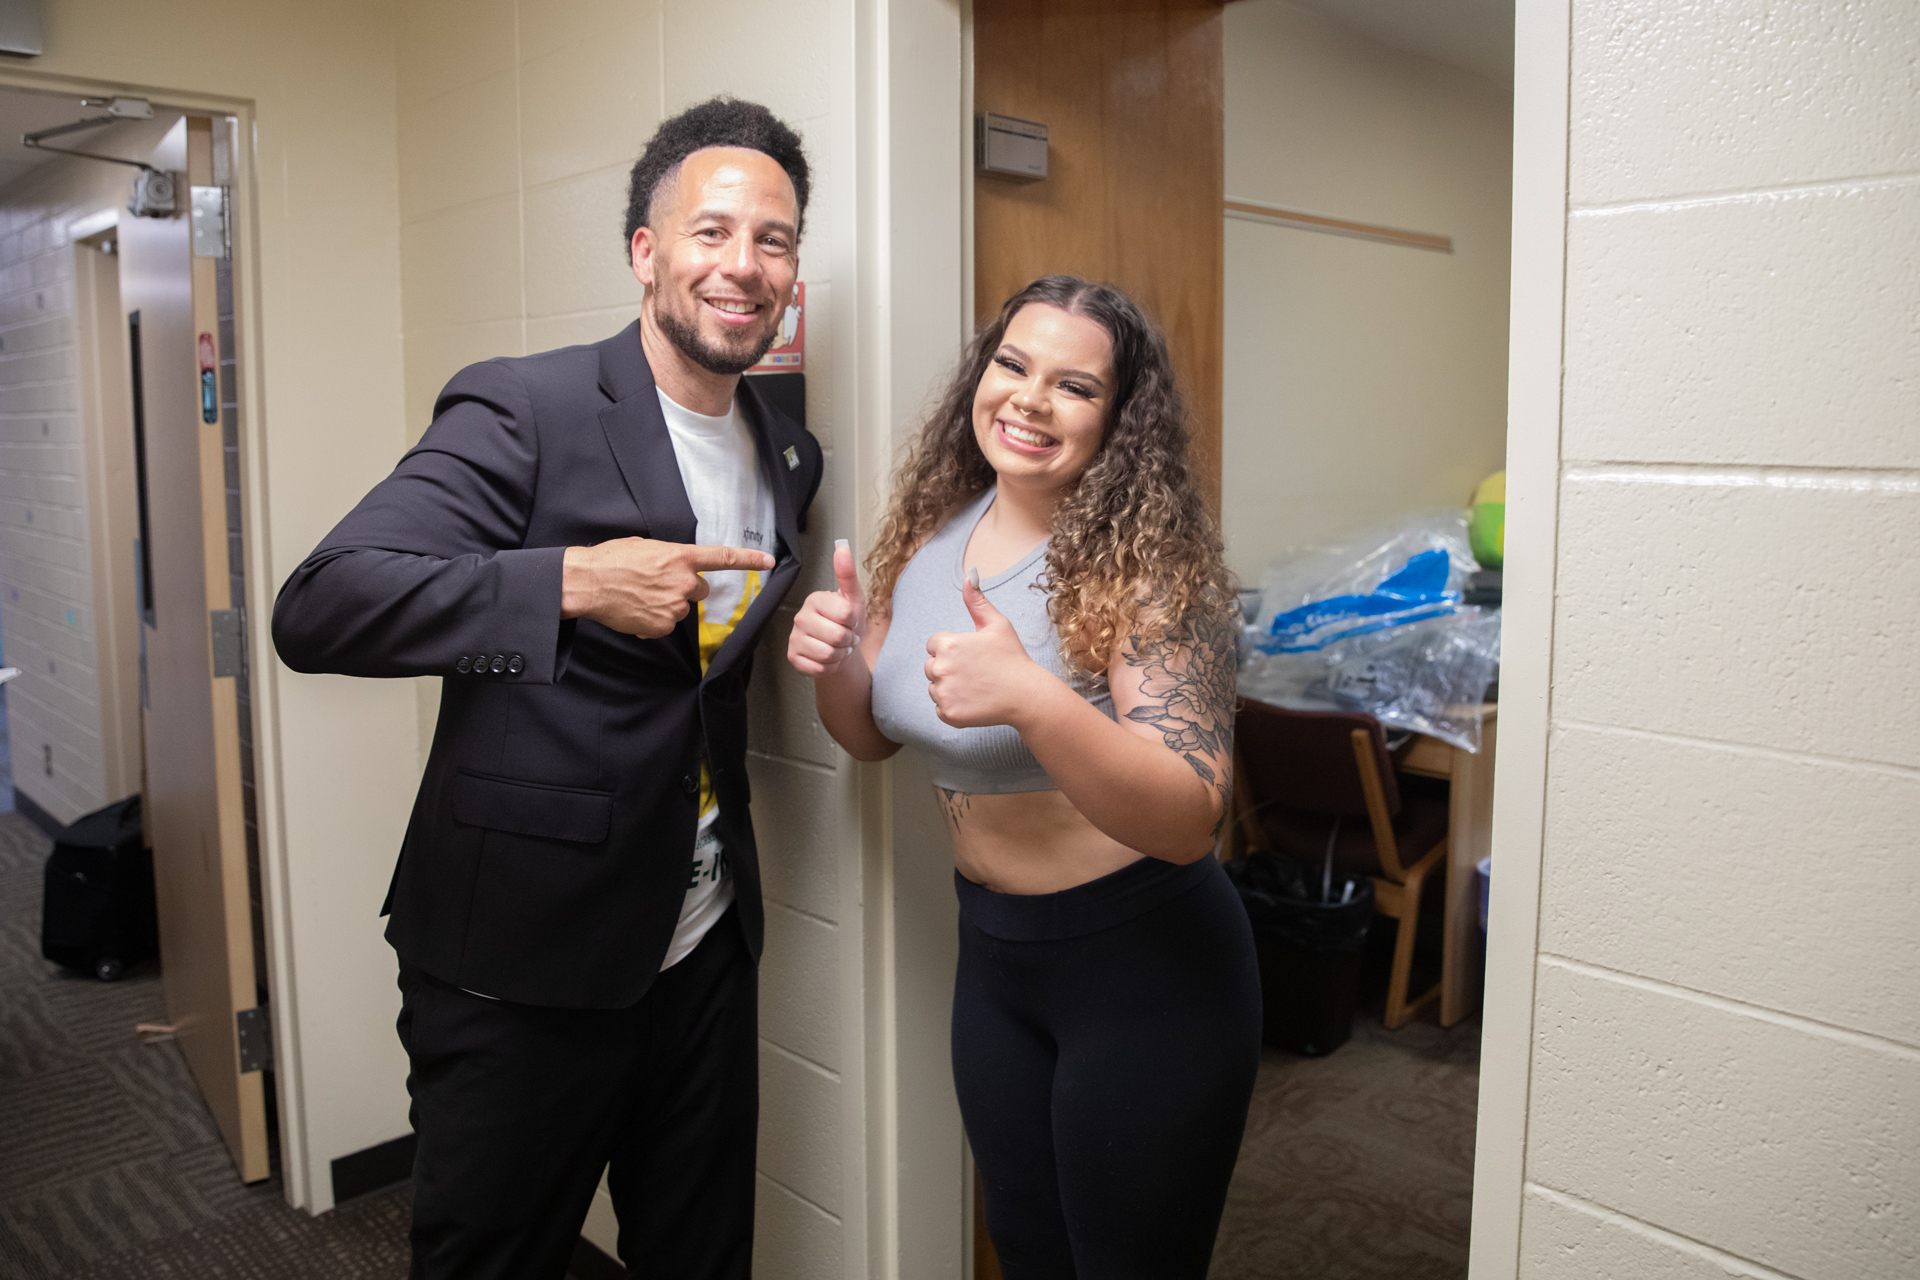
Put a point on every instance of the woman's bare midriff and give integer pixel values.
(1029, 842)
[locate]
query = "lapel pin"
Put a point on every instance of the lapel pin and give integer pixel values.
(793, 458)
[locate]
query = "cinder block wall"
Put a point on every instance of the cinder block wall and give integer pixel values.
(518, 125)
(46, 570)
(1726, 1065)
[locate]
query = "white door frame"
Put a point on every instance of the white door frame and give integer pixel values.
(1542, 54)
(901, 153)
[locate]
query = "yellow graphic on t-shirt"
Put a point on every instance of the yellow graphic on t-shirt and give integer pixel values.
(712, 636)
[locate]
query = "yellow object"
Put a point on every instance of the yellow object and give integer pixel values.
(1487, 527)
(712, 636)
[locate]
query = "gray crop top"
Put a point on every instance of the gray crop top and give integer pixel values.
(926, 599)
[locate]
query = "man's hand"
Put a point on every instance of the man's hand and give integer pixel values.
(830, 624)
(641, 586)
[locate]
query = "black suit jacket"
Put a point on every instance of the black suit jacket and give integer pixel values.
(552, 840)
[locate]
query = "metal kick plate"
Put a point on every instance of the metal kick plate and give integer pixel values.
(209, 219)
(256, 1039)
(229, 641)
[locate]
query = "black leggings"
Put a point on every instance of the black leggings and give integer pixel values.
(1105, 1041)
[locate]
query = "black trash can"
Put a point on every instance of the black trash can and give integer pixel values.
(98, 914)
(1311, 936)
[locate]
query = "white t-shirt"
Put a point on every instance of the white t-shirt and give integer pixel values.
(732, 507)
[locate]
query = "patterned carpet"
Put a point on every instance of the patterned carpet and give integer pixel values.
(110, 1165)
(1358, 1165)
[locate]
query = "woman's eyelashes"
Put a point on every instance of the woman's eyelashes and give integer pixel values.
(1019, 370)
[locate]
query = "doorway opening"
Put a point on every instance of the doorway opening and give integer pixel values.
(122, 573)
(1345, 289)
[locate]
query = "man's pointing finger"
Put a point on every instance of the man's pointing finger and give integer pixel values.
(702, 559)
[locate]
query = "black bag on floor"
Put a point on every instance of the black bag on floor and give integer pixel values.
(99, 914)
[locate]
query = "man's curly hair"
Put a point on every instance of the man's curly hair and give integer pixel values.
(718, 122)
(1133, 552)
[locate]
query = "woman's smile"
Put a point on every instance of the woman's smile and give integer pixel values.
(1025, 439)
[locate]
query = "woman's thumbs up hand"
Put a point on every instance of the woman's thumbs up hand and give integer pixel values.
(985, 676)
(830, 624)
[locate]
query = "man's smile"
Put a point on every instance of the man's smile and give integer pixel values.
(733, 310)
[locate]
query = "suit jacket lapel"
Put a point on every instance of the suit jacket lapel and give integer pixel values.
(787, 560)
(642, 449)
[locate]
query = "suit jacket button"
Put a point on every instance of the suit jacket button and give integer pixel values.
(464, 665)
(515, 665)
(479, 662)
(499, 663)
(691, 784)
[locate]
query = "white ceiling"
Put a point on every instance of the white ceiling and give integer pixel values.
(1476, 35)
(22, 112)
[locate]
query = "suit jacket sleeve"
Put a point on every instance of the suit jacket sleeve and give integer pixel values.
(429, 567)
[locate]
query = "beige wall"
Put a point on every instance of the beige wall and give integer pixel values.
(1364, 380)
(317, 271)
(1710, 1050)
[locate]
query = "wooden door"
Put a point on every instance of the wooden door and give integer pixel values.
(194, 799)
(1133, 95)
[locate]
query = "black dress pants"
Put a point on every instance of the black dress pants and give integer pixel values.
(519, 1108)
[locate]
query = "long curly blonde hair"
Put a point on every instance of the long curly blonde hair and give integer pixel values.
(1133, 551)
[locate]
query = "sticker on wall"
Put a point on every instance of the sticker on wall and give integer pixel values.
(788, 354)
(209, 381)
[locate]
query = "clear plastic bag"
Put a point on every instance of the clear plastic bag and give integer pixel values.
(1377, 626)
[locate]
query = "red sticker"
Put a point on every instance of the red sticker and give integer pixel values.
(208, 360)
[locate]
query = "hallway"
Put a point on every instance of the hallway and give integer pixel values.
(113, 1168)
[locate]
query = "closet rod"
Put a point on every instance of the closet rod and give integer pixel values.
(1336, 226)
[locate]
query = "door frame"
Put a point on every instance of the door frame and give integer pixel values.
(1541, 114)
(1543, 43)
(244, 231)
(105, 410)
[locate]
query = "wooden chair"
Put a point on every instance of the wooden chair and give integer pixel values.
(1300, 775)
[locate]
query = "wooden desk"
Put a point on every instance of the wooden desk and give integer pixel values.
(1470, 833)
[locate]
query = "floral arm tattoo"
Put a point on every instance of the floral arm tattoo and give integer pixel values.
(1188, 684)
(954, 804)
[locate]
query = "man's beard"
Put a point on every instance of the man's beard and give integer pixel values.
(709, 356)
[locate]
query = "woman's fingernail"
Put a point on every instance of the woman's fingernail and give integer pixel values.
(841, 544)
(973, 577)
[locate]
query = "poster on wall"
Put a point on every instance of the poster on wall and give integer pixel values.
(781, 375)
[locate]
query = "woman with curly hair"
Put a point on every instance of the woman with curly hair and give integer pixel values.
(1051, 622)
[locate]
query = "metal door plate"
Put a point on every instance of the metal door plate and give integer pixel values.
(256, 1039)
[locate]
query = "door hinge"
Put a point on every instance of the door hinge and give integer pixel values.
(256, 1039)
(211, 237)
(229, 641)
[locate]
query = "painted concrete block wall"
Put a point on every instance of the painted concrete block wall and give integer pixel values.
(1364, 381)
(1726, 1069)
(518, 124)
(46, 582)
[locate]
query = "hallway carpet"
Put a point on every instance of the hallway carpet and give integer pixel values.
(110, 1166)
(1358, 1165)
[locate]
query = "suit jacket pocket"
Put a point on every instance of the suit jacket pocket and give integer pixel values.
(532, 808)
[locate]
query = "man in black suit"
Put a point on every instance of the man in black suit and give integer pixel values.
(577, 902)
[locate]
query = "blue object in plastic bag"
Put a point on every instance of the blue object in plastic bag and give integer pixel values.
(1417, 590)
